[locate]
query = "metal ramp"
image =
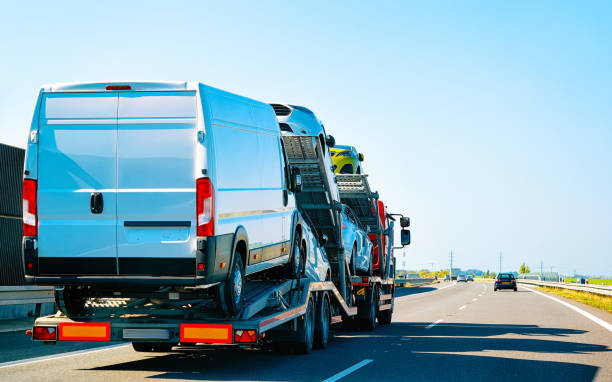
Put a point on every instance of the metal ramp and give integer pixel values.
(355, 192)
(317, 200)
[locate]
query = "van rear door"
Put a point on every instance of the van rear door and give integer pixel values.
(156, 175)
(77, 169)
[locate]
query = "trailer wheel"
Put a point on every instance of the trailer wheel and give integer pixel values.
(322, 322)
(234, 286)
(71, 301)
(371, 305)
(161, 347)
(306, 326)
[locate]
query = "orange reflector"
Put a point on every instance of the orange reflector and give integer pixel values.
(84, 331)
(207, 333)
(222, 265)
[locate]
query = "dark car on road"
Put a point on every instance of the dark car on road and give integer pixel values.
(505, 281)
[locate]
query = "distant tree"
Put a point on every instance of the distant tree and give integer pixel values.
(524, 269)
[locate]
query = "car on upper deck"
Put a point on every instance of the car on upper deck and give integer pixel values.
(357, 246)
(346, 160)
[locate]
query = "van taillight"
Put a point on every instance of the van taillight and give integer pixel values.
(30, 226)
(205, 207)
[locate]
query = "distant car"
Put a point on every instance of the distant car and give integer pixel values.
(357, 246)
(346, 160)
(505, 281)
(461, 279)
(470, 278)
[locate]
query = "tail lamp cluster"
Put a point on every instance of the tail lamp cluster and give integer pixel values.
(44, 333)
(30, 218)
(245, 336)
(205, 207)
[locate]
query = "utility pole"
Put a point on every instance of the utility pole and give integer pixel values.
(541, 270)
(450, 271)
(500, 261)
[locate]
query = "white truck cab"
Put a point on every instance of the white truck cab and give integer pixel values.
(159, 184)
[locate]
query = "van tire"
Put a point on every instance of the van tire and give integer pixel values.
(369, 323)
(295, 267)
(322, 322)
(234, 286)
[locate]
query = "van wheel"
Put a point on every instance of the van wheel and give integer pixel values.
(71, 301)
(161, 347)
(306, 329)
(234, 286)
(322, 322)
(295, 268)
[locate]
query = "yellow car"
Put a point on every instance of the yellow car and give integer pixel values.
(346, 160)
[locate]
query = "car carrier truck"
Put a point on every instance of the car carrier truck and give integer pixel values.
(169, 213)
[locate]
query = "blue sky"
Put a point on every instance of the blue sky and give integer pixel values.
(489, 123)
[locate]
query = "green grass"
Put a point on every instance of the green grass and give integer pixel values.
(594, 300)
(592, 281)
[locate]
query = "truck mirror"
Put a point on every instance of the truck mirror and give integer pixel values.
(405, 237)
(330, 141)
(324, 239)
(404, 222)
(296, 180)
(360, 157)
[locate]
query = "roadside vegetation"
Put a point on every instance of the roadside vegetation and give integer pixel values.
(595, 300)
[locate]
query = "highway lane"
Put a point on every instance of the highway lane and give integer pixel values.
(459, 332)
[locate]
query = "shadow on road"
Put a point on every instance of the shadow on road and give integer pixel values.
(399, 292)
(407, 351)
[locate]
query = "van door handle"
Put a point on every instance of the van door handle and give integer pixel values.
(96, 202)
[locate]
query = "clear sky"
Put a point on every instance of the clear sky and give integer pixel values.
(489, 123)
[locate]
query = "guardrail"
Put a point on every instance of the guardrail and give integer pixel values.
(414, 282)
(596, 289)
(27, 294)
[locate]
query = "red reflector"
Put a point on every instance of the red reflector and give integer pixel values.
(30, 265)
(30, 226)
(45, 333)
(200, 267)
(205, 207)
(118, 87)
(364, 280)
(29, 332)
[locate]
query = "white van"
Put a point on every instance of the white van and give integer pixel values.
(158, 184)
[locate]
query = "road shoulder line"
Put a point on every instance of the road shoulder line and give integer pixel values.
(586, 314)
(58, 356)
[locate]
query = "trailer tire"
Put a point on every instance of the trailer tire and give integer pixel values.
(161, 347)
(322, 322)
(234, 287)
(306, 326)
(71, 301)
(371, 306)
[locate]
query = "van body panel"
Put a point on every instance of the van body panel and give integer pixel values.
(77, 156)
(155, 176)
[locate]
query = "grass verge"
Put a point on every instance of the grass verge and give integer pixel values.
(595, 300)
(592, 281)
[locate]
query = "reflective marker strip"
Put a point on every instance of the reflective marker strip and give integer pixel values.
(433, 324)
(206, 333)
(84, 331)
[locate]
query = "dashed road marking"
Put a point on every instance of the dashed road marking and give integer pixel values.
(474, 299)
(462, 307)
(348, 371)
(433, 324)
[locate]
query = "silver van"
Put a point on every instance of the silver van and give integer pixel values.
(156, 184)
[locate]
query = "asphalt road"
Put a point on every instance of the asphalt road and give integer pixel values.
(456, 332)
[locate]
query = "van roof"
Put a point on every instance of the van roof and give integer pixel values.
(134, 85)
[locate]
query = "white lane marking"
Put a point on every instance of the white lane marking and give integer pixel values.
(462, 307)
(474, 299)
(433, 324)
(348, 371)
(588, 315)
(64, 355)
(448, 286)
